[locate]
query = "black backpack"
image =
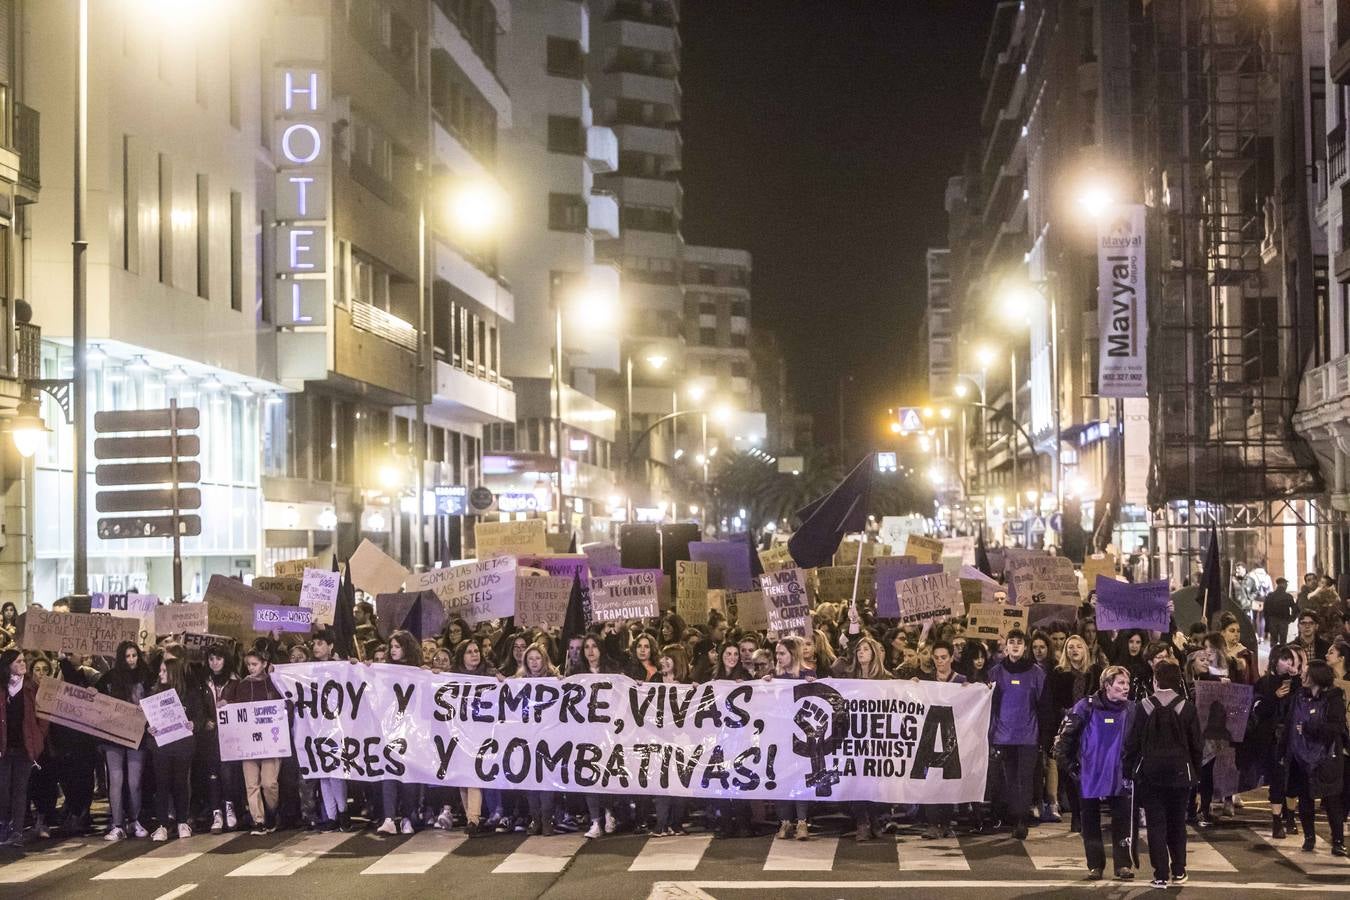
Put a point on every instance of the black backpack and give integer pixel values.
(1164, 757)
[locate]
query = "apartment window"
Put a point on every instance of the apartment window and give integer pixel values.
(566, 135)
(566, 212)
(738, 339)
(707, 275)
(707, 336)
(707, 306)
(131, 193)
(647, 218)
(165, 220)
(236, 250)
(740, 308)
(565, 58)
(203, 225)
(637, 164)
(263, 252)
(740, 370)
(232, 60)
(461, 109)
(1087, 33)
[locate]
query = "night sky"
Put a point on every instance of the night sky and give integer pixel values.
(819, 135)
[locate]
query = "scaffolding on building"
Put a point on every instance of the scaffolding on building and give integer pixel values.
(1224, 356)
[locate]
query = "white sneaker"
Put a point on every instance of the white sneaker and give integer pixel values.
(446, 820)
(231, 820)
(139, 830)
(217, 822)
(161, 834)
(387, 827)
(594, 830)
(610, 824)
(406, 826)
(115, 833)
(184, 830)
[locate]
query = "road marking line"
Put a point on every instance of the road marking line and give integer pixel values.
(1055, 849)
(163, 860)
(683, 890)
(1201, 855)
(35, 865)
(680, 853)
(1318, 862)
(539, 854)
(291, 857)
(815, 855)
(417, 854)
(943, 854)
(178, 891)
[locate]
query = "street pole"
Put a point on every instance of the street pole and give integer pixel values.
(423, 386)
(1057, 476)
(557, 400)
(628, 438)
(1012, 393)
(78, 311)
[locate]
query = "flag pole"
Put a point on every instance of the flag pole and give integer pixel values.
(855, 620)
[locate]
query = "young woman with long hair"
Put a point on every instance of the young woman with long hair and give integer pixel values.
(173, 760)
(261, 776)
(535, 663)
(128, 681)
(594, 661)
(644, 656)
(1315, 736)
(788, 666)
(866, 663)
(23, 736)
(398, 800)
(223, 778)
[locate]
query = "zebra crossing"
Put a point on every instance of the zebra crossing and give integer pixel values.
(1050, 851)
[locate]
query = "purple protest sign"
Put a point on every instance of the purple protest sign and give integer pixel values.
(282, 618)
(728, 564)
(887, 574)
(561, 566)
(1122, 606)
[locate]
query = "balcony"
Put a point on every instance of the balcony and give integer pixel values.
(1323, 420)
(1339, 69)
(1336, 155)
(386, 325)
(480, 396)
(658, 38)
(27, 122)
(649, 12)
(446, 35)
(491, 293)
(602, 149)
(602, 214)
(645, 88)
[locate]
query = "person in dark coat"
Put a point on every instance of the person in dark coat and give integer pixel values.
(1281, 611)
(1021, 709)
(1162, 756)
(1314, 738)
(22, 738)
(1274, 697)
(1089, 747)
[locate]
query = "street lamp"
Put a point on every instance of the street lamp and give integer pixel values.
(1096, 198)
(1018, 302)
(477, 208)
(27, 429)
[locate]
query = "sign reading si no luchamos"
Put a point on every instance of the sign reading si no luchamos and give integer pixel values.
(882, 741)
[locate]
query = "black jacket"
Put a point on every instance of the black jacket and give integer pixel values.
(1280, 607)
(1143, 754)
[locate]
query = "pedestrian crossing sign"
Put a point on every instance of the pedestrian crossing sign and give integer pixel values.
(910, 420)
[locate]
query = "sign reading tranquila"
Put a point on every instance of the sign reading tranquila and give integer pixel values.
(882, 741)
(1122, 302)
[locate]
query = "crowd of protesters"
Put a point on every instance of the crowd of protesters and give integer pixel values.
(1083, 722)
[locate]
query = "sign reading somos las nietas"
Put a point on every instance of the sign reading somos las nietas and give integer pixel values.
(884, 741)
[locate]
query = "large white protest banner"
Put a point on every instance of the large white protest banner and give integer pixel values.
(254, 730)
(476, 591)
(880, 741)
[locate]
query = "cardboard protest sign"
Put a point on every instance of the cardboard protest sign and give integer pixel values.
(564, 565)
(510, 538)
(962, 546)
(1121, 605)
(80, 634)
(989, 588)
(849, 551)
(894, 529)
(786, 602)
(285, 588)
(175, 618)
(1223, 705)
(631, 596)
(318, 593)
(295, 568)
(195, 645)
(728, 563)
(929, 597)
(476, 592)
(925, 550)
(888, 607)
(751, 613)
(86, 710)
(256, 730)
(1042, 578)
(717, 600)
(291, 619)
(229, 607)
(140, 607)
(994, 620)
(1103, 564)
(834, 584)
(420, 613)
(691, 579)
(375, 571)
(602, 554)
(776, 558)
(165, 717)
(542, 602)
(1048, 615)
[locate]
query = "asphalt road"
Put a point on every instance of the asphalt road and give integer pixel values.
(1234, 859)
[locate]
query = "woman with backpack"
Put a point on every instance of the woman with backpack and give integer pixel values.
(1162, 758)
(1089, 745)
(1315, 738)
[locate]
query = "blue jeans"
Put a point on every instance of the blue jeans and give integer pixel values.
(124, 773)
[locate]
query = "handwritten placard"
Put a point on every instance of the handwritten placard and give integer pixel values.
(140, 607)
(166, 718)
(786, 601)
(1042, 578)
(286, 588)
(87, 711)
(475, 592)
(294, 568)
(994, 620)
(929, 597)
(630, 596)
(925, 550)
(751, 614)
(542, 602)
(229, 607)
(175, 618)
(776, 558)
(255, 730)
(1103, 564)
(510, 538)
(1121, 605)
(1229, 703)
(293, 619)
(318, 594)
(80, 634)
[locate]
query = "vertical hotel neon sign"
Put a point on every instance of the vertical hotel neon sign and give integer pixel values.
(303, 181)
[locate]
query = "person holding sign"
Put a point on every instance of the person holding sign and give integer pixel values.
(128, 681)
(224, 777)
(594, 661)
(535, 663)
(1314, 739)
(397, 799)
(938, 816)
(22, 738)
(261, 787)
(173, 759)
(866, 664)
(788, 666)
(1021, 709)
(1089, 748)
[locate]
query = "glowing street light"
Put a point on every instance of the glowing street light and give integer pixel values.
(960, 390)
(896, 428)
(985, 356)
(696, 392)
(477, 208)
(1095, 199)
(27, 429)
(657, 360)
(721, 414)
